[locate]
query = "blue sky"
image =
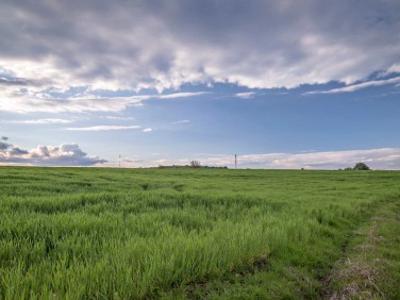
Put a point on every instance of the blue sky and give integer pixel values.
(285, 84)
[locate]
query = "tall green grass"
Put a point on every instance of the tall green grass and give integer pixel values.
(133, 234)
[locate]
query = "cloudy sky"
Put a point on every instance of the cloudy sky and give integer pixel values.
(285, 84)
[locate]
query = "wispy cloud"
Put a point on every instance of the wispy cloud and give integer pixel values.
(104, 128)
(147, 130)
(41, 103)
(181, 95)
(181, 122)
(245, 95)
(41, 121)
(358, 86)
(121, 118)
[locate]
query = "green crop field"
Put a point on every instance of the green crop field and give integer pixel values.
(86, 233)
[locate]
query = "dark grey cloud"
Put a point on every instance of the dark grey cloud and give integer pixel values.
(13, 81)
(15, 151)
(64, 155)
(163, 44)
(4, 146)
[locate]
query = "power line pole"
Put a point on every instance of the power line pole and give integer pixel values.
(235, 161)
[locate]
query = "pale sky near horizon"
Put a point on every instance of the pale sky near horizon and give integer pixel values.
(285, 84)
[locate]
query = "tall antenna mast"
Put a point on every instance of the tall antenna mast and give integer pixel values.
(235, 161)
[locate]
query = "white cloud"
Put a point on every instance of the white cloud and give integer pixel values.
(72, 155)
(181, 122)
(358, 86)
(180, 95)
(119, 45)
(394, 69)
(23, 105)
(383, 158)
(104, 128)
(39, 103)
(147, 130)
(245, 95)
(64, 155)
(122, 118)
(42, 121)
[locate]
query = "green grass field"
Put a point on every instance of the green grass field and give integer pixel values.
(75, 233)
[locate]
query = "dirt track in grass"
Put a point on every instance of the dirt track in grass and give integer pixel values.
(370, 267)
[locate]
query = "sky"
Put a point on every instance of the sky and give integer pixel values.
(283, 84)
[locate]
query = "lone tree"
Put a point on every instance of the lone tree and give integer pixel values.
(195, 164)
(361, 166)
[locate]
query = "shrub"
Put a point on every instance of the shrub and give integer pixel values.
(195, 164)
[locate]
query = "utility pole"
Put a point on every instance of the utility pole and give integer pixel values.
(235, 161)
